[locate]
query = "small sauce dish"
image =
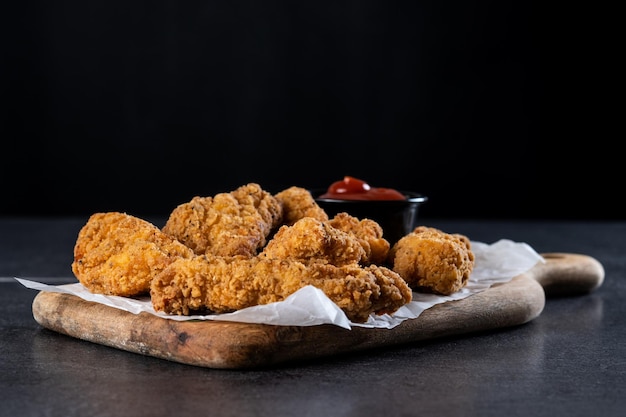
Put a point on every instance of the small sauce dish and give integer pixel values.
(397, 217)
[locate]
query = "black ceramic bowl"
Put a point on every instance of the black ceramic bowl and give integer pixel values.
(396, 217)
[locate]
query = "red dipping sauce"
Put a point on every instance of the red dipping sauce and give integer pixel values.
(351, 188)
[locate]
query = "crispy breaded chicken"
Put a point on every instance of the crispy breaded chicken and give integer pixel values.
(227, 224)
(369, 234)
(431, 260)
(309, 239)
(224, 284)
(119, 254)
(297, 203)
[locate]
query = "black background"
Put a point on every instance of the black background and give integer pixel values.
(139, 106)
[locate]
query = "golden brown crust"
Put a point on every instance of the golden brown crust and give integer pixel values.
(297, 203)
(431, 260)
(309, 239)
(119, 254)
(217, 254)
(227, 224)
(220, 285)
(369, 234)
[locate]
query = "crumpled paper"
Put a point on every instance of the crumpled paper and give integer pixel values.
(494, 263)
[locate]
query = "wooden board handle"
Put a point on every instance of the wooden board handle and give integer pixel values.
(566, 274)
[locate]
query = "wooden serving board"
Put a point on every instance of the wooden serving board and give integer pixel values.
(232, 345)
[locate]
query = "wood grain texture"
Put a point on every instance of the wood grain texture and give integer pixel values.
(231, 345)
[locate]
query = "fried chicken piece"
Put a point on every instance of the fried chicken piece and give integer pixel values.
(309, 239)
(434, 261)
(119, 254)
(369, 234)
(227, 224)
(225, 284)
(297, 203)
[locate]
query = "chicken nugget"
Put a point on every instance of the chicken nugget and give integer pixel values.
(369, 234)
(227, 224)
(297, 203)
(309, 239)
(119, 254)
(433, 261)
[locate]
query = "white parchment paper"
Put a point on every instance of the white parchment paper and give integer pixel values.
(494, 263)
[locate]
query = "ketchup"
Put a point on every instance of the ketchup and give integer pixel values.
(351, 188)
